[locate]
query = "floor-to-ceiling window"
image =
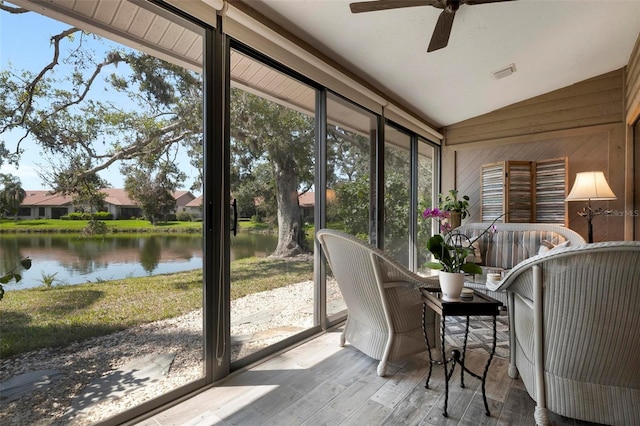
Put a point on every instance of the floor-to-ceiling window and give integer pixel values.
(272, 141)
(427, 188)
(397, 193)
(102, 137)
(350, 196)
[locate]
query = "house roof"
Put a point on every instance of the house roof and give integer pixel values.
(183, 197)
(118, 197)
(45, 198)
(115, 196)
(308, 199)
(196, 202)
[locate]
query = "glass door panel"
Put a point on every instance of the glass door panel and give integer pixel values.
(351, 133)
(397, 196)
(272, 171)
(119, 313)
(427, 194)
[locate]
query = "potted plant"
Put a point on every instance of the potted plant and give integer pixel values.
(458, 208)
(451, 254)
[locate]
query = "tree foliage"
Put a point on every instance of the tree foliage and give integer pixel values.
(153, 189)
(81, 132)
(11, 195)
(267, 133)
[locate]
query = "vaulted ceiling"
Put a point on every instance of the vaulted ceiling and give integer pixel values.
(553, 44)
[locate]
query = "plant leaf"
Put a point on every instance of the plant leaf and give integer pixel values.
(26, 263)
(434, 265)
(471, 268)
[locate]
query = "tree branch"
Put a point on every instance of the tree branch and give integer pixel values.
(136, 149)
(27, 104)
(13, 9)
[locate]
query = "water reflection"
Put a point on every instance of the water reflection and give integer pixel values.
(76, 260)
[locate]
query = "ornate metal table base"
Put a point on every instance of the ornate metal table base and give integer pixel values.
(479, 305)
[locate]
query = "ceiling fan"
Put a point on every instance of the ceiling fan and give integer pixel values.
(441, 33)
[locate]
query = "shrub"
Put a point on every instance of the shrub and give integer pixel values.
(184, 217)
(103, 216)
(95, 228)
(79, 216)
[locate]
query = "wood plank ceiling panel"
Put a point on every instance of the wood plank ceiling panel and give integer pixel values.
(107, 11)
(85, 7)
(124, 17)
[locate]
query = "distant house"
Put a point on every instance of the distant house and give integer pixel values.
(42, 204)
(194, 207)
(307, 202)
(120, 205)
(183, 199)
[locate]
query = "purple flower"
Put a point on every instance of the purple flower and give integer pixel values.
(435, 213)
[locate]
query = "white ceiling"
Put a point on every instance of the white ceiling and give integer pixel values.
(553, 44)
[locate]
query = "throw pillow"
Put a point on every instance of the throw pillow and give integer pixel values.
(547, 246)
(476, 256)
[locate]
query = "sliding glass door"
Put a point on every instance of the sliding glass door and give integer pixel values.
(397, 193)
(350, 186)
(272, 146)
(427, 190)
(104, 134)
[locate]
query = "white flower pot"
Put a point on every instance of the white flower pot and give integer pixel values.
(451, 284)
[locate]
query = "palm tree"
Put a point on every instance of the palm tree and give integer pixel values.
(11, 195)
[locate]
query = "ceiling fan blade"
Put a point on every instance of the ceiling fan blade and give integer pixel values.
(370, 6)
(472, 2)
(440, 37)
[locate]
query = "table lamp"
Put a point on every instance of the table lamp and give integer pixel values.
(590, 186)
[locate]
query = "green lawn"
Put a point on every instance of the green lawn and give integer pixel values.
(38, 318)
(57, 225)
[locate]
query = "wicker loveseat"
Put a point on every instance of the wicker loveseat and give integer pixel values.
(574, 317)
(511, 244)
(383, 301)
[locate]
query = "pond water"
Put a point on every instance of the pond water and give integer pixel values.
(70, 259)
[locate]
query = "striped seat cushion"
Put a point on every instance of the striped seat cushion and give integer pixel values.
(505, 249)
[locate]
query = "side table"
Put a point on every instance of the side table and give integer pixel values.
(480, 304)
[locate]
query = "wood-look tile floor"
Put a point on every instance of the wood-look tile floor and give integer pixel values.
(320, 383)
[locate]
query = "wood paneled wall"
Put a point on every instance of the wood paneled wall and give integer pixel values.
(632, 105)
(584, 122)
(588, 103)
(632, 92)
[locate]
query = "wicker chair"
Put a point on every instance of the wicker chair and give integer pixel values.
(574, 317)
(383, 301)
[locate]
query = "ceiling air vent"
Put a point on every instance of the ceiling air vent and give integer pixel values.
(504, 72)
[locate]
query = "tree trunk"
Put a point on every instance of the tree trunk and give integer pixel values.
(290, 231)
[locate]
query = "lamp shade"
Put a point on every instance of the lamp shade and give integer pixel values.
(590, 186)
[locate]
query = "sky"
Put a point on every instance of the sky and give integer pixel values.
(31, 32)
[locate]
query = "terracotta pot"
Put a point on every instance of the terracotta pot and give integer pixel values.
(451, 284)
